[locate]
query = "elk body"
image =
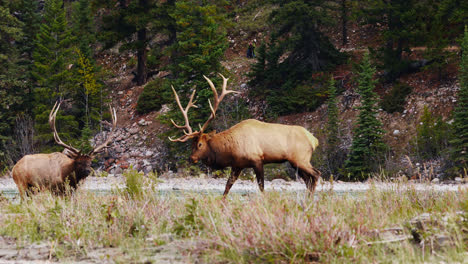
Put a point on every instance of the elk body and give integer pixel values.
(55, 170)
(250, 144)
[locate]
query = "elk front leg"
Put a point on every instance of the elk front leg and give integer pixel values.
(232, 178)
(260, 177)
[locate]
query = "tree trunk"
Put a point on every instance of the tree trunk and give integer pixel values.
(141, 53)
(344, 20)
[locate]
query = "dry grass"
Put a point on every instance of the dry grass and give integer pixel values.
(274, 227)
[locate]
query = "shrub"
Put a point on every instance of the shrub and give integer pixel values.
(432, 135)
(134, 182)
(154, 95)
(395, 100)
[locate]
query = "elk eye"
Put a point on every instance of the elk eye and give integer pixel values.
(199, 145)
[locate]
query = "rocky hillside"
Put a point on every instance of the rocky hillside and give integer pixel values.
(138, 142)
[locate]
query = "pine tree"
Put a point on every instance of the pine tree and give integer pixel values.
(460, 124)
(402, 28)
(334, 156)
(296, 49)
(332, 125)
(11, 86)
(367, 146)
(134, 24)
(198, 49)
(83, 26)
(52, 70)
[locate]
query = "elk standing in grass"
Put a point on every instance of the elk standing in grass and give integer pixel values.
(249, 144)
(53, 171)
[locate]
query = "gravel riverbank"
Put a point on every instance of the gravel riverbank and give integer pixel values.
(243, 186)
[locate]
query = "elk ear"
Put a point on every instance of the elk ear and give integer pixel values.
(211, 134)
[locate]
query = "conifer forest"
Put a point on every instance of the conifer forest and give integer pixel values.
(221, 131)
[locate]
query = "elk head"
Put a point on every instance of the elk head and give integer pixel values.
(200, 146)
(82, 160)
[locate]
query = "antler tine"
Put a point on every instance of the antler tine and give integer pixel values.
(217, 99)
(52, 117)
(104, 145)
(187, 129)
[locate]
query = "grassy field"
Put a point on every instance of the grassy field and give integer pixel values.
(139, 225)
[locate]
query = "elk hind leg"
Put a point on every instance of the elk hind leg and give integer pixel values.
(260, 176)
(310, 175)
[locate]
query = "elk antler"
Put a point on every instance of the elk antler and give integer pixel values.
(189, 133)
(104, 145)
(52, 116)
(217, 99)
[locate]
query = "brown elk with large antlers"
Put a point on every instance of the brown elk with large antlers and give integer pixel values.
(249, 144)
(53, 171)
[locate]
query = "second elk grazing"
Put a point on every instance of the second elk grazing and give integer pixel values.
(249, 144)
(53, 171)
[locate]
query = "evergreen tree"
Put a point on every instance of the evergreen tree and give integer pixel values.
(402, 28)
(198, 49)
(367, 146)
(332, 125)
(30, 15)
(83, 26)
(460, 124)
(52, 70)
(334, 156)
(11, 86)
(296, 49)
(134, 23)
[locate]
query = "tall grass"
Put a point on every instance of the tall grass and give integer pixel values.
(270, 228)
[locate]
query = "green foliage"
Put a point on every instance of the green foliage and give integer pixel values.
(332, 124)
(296, 49)
(52, 58)
(335, 156)
(154, 95)
(395, 100)
(402, 28)
(132, 23)
(367, 147)
(12, 88)
(189, 224)
(200, 43)
(83, 26)
(460, 124)
(432, 135)
(134, 182)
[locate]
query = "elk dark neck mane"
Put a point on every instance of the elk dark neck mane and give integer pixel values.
(221, 145)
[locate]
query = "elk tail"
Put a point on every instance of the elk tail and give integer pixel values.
(312, 140)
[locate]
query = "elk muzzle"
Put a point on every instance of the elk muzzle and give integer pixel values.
(194, 158)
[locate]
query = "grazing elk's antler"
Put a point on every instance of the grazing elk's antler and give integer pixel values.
(104, 145)
(217, 99)
(52, 116)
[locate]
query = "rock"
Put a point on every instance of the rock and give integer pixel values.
(396, 132)
(458, 180)
(148, 169)
(278, 181)
(142, 122)
(133, 130)
(435, 180)
(149, 153)
(243, 86)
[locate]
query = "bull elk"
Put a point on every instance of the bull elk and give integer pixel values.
(248, 144)
(53, 171)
